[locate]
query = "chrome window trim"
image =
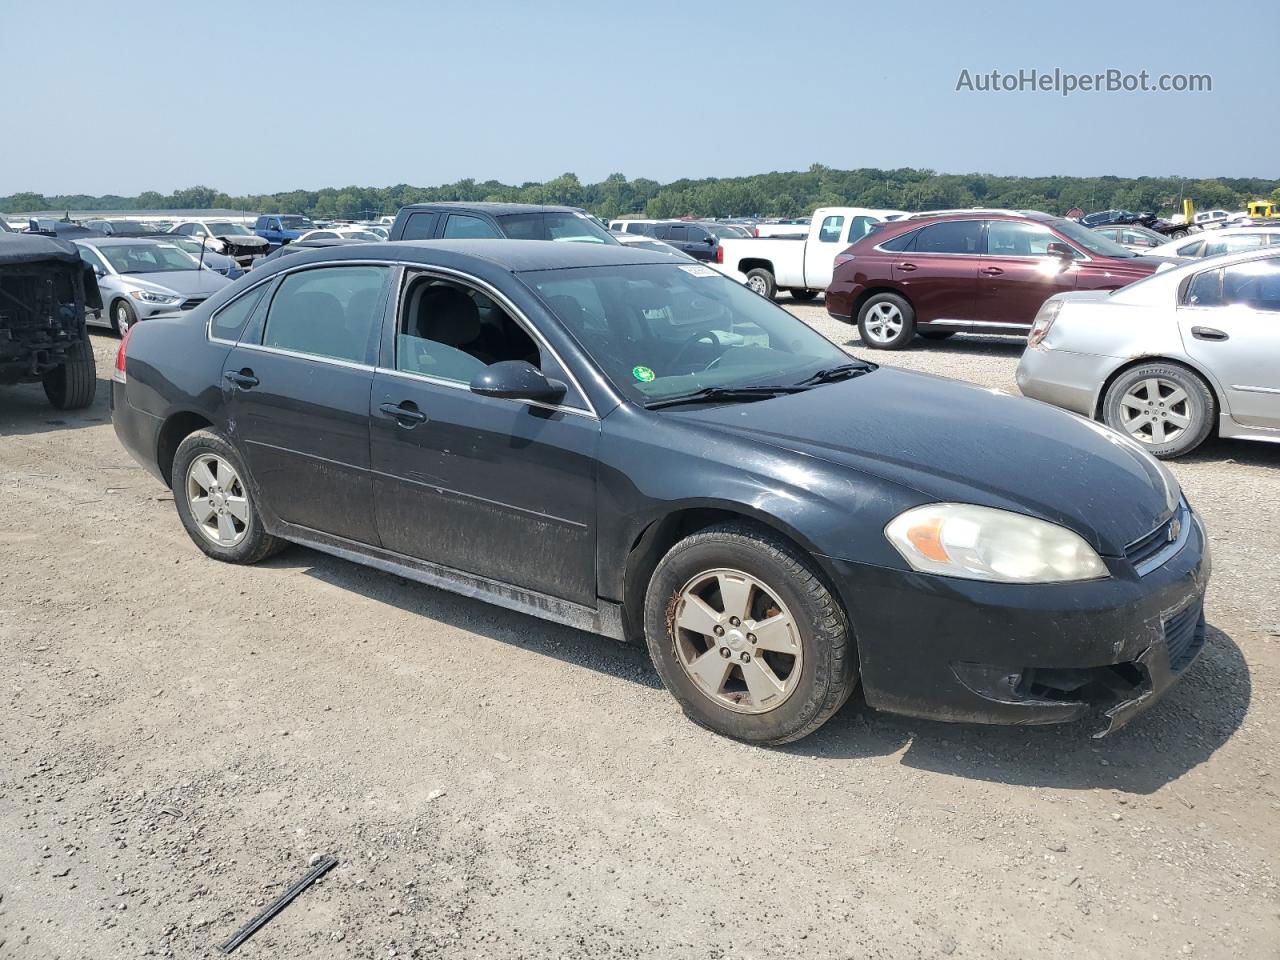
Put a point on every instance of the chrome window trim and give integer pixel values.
(1081, 256)
(282, 351)
(466, 388)
(514, 312)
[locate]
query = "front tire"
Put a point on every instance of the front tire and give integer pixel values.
(122, 316)
(73, 384)
(746, 636)
(762, 281)
(1165, 407)
(215, 500)
(886, 322)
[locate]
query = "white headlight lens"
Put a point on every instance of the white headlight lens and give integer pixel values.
(980, 543)
(152, 297)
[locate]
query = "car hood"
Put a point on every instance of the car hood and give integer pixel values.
(955, 442)
(240, 240)
(188, 283)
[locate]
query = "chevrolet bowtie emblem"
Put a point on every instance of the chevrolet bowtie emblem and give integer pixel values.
(1175, 529)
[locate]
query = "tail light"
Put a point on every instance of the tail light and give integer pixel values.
(842, 258)
(719, 254)
(1044, 321)
(118, 375)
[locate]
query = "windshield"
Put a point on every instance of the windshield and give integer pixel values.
(565, 227)
(664, 330)
(296, 223)
(1091, 240)
(222, 228)
(147, 258)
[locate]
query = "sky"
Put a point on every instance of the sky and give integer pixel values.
(260, 97)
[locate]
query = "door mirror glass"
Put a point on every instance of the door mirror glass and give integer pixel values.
(516, 380)
(1059, 249)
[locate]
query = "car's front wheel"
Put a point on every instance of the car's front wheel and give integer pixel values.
(746, 636)
(215, 500)
(886, 322)
(1164, 406)
(122, 316)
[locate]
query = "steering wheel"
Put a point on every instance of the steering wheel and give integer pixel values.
(696, 337)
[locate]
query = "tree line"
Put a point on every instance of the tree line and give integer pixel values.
(778, 194)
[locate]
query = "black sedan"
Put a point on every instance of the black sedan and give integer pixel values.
(643, 448)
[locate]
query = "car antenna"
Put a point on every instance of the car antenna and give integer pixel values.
(202, 243)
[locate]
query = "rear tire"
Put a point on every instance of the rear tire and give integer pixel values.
(1178, 235)
(768, 689)
(73, 384)
(886, 322)
(762, 281)
(122, 316)
(209, 477)
(803, 296)
(1167, 408)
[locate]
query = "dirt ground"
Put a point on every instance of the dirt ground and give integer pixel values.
(179, 737)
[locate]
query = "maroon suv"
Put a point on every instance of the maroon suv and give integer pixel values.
(985, 271)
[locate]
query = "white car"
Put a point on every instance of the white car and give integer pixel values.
(802, 265)
(353, 234)
(643, 228)
(224, 236)
(1218, 242)
(1167, 359)
(1210, 219)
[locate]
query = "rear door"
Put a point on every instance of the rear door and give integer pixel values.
(1018, 274)
(939, 274)
(1230, 324)
(296, 388)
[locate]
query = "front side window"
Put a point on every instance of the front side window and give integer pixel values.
(91, 258)
(228, 322)
(326, 312)
(461, 226)
(1013, 238)
(951, 236)
(663, 330)
(829, 232)
(1255, 284)
(297, 223)
(453, 331)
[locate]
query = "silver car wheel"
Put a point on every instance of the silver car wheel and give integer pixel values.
(217, 498)
(1155, 411)
(122, 317)
(737, 641)
(884, 322)
(757, 285)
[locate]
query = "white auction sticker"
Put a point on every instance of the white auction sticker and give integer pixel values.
(698, 271)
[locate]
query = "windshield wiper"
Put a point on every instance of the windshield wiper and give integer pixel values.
(726, 394)
(842, 372)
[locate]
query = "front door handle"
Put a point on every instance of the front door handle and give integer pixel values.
(406, 414)
(991, 271)
(1209, 333)
(906, 267)
(244, 379)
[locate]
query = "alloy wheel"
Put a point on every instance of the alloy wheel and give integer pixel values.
(122, 318)
(737, 641)
(757, 285)
(217, 498)
(884, 322)
(1155, 411)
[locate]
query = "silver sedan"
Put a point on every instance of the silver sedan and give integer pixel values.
(1170, 358)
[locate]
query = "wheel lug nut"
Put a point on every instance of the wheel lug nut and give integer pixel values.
(726, 652)
(751, 638)
(746, 657)
(718, 630)
(735, 621)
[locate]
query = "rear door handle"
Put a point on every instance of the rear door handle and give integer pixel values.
(244, 379)
(406, 414)
(991, 271)
(906, 267)
(1209, 333)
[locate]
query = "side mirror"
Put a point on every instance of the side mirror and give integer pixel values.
(711, 241)
(516, 380)
(1059, 249)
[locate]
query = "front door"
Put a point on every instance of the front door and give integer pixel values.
(1230, 324)
(820, 252)
(1018, 274)
(939, 274)
(503, 489)
(297, 391)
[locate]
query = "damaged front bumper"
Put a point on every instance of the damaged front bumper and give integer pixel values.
(950, 649)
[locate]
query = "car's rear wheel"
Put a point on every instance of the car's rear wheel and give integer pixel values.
(74, 383)
(762, 281)
(1164, 406)
(215, 500)
(886, 322)
(746, 636)
(1178, 234)
(122, 316)
(804, 296)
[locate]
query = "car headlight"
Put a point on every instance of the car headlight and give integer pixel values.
(981, 543)
(148, 296)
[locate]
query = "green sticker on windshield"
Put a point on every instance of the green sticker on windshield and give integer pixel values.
(643, 374)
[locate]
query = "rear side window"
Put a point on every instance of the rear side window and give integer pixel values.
(228, 322)
(460, 226)
(1244, 241)
(420, 226)
(1205, 289)
(1190, 249)
(859, 227)
(661, 231)
(905, 241)
(829, 232)
(1255, 284)
(326, 312)
(951, 236)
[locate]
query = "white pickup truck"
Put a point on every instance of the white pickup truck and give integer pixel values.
(802, 265)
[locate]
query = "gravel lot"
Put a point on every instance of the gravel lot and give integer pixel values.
(178, 737)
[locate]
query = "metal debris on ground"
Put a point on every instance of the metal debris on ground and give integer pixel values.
(278, 904)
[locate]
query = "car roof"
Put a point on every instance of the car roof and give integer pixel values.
(117, 241)
(1223, 260)
(490, 207)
